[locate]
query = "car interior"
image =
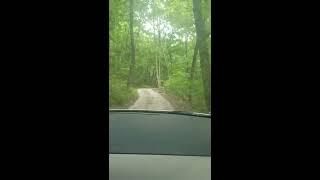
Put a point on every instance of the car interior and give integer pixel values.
(159, 145)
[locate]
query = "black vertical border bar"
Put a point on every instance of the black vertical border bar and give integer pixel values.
(215, 91)
(106, 84)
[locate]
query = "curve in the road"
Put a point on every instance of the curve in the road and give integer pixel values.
(151, 100)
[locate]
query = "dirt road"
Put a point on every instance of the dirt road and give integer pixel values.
(151, 100)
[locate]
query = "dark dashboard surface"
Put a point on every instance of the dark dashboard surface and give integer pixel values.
(138, 132)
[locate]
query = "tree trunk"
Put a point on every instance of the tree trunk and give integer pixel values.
(186, 53)
(193, 65)
(165, 58)
(203, 51)
(159, 58)
(186, 47)
(132, 64)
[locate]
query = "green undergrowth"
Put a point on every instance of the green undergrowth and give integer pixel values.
(119, 95)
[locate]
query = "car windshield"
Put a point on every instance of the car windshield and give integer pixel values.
(160, 55)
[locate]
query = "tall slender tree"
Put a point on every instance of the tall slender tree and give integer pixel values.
(133, 60)
(203, 51)
(193, 66)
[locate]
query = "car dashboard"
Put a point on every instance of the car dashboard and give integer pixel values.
(145, 145)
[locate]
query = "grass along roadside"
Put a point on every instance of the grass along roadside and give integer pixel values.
(121, 97)
(123, 101)
(180, 104)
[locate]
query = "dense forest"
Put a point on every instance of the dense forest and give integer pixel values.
(161, 44)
